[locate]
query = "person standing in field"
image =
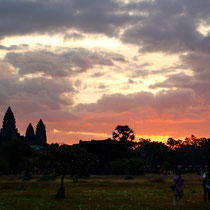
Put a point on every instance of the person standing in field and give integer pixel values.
(178, 183)
(206, 186)
(204, 175)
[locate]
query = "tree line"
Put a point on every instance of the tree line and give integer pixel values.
(121, 154)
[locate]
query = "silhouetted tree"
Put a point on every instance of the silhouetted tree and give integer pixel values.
(173, 144)
(191, 148)
(111, 155)
(67, 160)
(155, 154)
(123, 133)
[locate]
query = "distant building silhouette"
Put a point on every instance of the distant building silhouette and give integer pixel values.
(10, 132)
(30, 137)
(41, 137)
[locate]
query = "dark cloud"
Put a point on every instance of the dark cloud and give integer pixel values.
(198, 81)
(174, 105)
(14, 47)
(64, 64)
(148, 72)
(173, 27)
(39, 92)
(55, 16)
(78, 83)
(98, 74)
(166, 105)
(180, 80)
(164, 34)
(160, 25)
(74, 36)
(118, 102)
(169, 26)
(199, 64)
(131, 81)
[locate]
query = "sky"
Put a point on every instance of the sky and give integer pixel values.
(86, 66)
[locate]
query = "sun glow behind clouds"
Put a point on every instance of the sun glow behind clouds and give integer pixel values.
(97, 41)
(115, 78)
(153, 138)
(83, 133)
(99, 135)
(88, 135)
(105, 135)
(69, 54)
(204, 29)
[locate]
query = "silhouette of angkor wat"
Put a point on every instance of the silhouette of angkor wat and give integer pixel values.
(9, 132)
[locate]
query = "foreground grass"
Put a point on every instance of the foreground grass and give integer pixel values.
(100, 192)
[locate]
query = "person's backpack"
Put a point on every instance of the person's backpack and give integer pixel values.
(208, 183)
(173, 187)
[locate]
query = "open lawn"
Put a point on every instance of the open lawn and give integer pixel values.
(100, 192)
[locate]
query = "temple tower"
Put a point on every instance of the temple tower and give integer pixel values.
(41, 137)
(30, 135)
(9, 130)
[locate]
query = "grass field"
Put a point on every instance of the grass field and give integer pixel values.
(100, 192)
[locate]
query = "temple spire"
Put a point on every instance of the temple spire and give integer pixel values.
(30, 136)
(9, 130)
(30, 131)
(9, 120)
(41, 137)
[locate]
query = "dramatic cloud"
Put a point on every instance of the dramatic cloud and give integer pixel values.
(74, 35)
(169, 26)
(38, 92)
(198, 82)
(87, 65)
(93, 16)
(148, 72)
(166, 113)
(174, 102)
(161, 34)
(59, 64)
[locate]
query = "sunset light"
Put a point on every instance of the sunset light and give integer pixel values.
(86, 69)
(104, 104)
